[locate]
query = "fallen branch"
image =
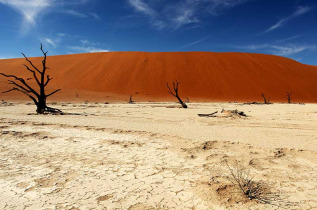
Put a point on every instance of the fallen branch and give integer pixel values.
(208, 115)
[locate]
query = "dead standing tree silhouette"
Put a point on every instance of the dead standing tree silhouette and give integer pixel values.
(38, 97)
(130, 100)
(175, 93)
(289, 97)
(266, 100)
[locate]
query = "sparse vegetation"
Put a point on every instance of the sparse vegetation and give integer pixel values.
(38, 97)
(175, 93)
(254, 190)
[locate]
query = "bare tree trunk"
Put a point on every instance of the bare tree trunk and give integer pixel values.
(130, 100)
(39, 98)
(266, 100)
(181, 102)
(175, 93)
(289, 97)
(41, 105)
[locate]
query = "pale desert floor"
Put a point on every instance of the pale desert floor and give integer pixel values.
(155, 156)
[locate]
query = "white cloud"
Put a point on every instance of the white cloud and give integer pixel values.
(94, 15)
(299, 11)
(144, 8)
(53, 42)
(290, 50)
(185, 14)
(31, 10)
(74, 13)
(81, 49)
(87, 47)
(179, 13)
(286, 50)
(7, 57)
(255, 47)
(79, 14)
(193, 43)
(49, 42)
(84, 41)
(141, 6)
(61, 34)
(216, 6)
(290, 38)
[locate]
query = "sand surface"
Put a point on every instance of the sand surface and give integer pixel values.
(204, 76)
(155, 156)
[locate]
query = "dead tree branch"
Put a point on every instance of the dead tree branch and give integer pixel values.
(289, 97)
(130, 100)
(266, 100)
(175, 92)
(42, 80)
(208, 115)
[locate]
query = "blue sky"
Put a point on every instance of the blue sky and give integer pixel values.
(281, 27)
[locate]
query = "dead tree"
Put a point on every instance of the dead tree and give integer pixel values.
(289, 97)
(131, 101)
(39, 97)
(175, 93)
(266, 100)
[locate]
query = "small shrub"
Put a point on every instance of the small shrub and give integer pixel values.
(254, 190)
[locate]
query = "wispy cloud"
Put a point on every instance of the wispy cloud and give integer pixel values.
(290, 38)
(281, 50)
(141, 6)
(74, 13)
(184, 14)
(291, 49)
(84, 41)
(81, 49)
(144, 8)
(52, 41)
(79, 14)
(179, 13)
(215, 7)
(97, 17)
(299, 11)
(31, 10)
(193, 43)
(7, 56)
(61, 34)
(87, 47)
(49, 41)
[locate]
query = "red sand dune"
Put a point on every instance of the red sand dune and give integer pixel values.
(204, 76)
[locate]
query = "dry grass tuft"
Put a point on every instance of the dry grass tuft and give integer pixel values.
(259, 191)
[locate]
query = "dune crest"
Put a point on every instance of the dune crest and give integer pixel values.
(204, 76)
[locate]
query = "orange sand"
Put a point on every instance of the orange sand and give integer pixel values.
(204, 76)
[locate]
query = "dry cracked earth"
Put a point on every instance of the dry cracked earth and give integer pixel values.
(60, 166)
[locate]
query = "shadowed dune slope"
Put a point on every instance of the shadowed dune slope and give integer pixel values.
(204, 76)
